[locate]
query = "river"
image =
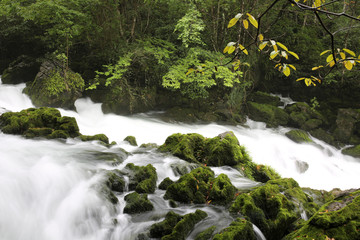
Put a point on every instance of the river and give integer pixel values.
(48, 187)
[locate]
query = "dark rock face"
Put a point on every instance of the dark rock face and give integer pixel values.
(347, 126)
(304, 117)
(271, 115)
(265, 98)
(55, 86)
(23, 69)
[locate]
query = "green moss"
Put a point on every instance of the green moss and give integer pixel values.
(207, 234)
(115, 181)
(131, 140)
(265, 98)
(271, 115)
(142, 179)
(137, 203)
(165, 227)
(240, 229)
(352, 151)
(98, 137)
(312, 124)
(149, 145)
(42, 122)
(299, 136)
(222, 191)
(185, 225)
(273, 207)
(304, 117)
(165, 183)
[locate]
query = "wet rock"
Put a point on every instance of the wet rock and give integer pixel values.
(200, 186)
(98, 137)
(324, 136)
(158, 230)
(55, 86)
(137, 203)
(149, 145)
(274, 207)
(115, 181)
(165, 183)
(131, 140)
(304, 117)
(42, 122)
(207, 234)
(141, 179)
(265, 98)
(271, 115)
(23, 69)
(347, 125)
(239, 229)
(337, 219)
(299, 136)
(301, 166)
(352, 151)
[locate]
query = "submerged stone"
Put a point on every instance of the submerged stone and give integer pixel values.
(299, 136)
(137, 203)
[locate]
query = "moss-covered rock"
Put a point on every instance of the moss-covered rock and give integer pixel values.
(137, 203)
(338, 219)
(274, 207)
(323, 135)
(98, 137)
(352, 151)
(200, 186)
(149, 145)
(299, 136)
(347, 125)
(42, 122)
(185, 225)
(165, 183)
(304, 117)
(240, 229)
(206, 234)
(141, 179)
(131, 140)
(265, 98)
(23, 69)
(158, 230)
(115, 181)
(271, 115)
(55, 86)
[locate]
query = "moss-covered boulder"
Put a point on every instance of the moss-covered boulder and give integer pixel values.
(274, 207)
(158, 230)
(304, 117)
(323, 135)
(299, 136)
(141, 179)
(42, 122)
(115, 181)
(165, 183)
(200, 186)
(55, 86)
(206, 234)
(137, 203)
(131, 140)
(240, 229)
(352, 151)
(338, 219)
(348, 126)
(271, 115)
(176, 227)
(23, 69)
(98, 137)
(265, 98)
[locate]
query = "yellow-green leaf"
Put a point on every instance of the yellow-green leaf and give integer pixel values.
(282, 46)
(275, 48)
(226, 49)
(299, 79)
(246, 24)
(326, 51)
(348, 65)
(190, 71)
(252, 20)
(242, 48)
(316, 68)
(342, 55)
(232, 22)
(261, 37)
(329, 58)
(349, 52)
(262, 45)
(331, 64)
(308, 81)
(286, 71)
(294, 54)
(273, 54)
(231, 49)
(292, 66)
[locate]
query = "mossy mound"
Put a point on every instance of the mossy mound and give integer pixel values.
(271, 115)
(304, 117)
(299, 136)
(200, 186)
(338, 219)
(274, 207)
(137, 203)
(176, 227)
(206, 234)
(131, 140)
(141, 179)
(348, 126)
(55, 86)
(115, 181)
(98, 137)
(165, 183)
(42, 122)
(352, 151)
(265, 98)
(240, 229)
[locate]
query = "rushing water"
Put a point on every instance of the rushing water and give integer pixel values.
(48, 187)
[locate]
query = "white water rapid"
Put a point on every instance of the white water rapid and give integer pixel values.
(48, 187)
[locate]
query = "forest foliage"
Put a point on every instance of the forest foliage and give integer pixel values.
(188, 46)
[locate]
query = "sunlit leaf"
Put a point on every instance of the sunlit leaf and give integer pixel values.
(294, 54)
(190, 71)
(273, 42)
(246, 24)
(232, 22)
(349, 52)
(262, 45)
(226, 49)
(330, 58)
(292, 66)
(300, 79)
(316, 68)
(324, 52)
(252, 20)
(261, 37)
(275, 48)
(286, 70)
(273, 54)
(282, 46)
(284, 54)
(348, 65)
(308, 81)
(342, 55)
(238, 16)
(231, 49)
(242, 48)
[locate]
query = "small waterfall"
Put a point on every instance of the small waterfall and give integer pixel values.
(258, 233)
